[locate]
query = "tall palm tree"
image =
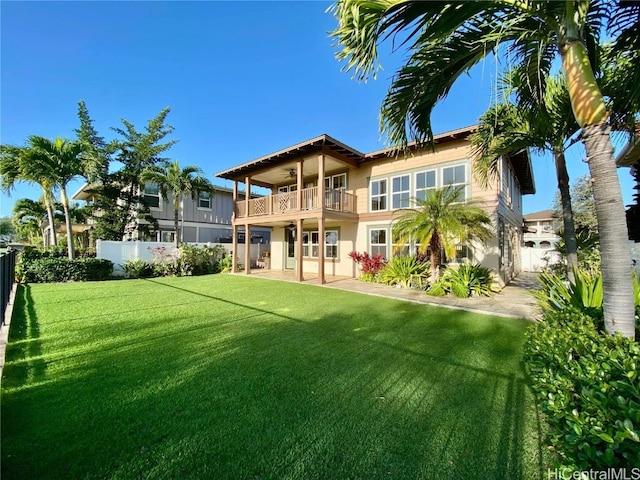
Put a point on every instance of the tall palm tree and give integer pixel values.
(446, 39)
(171, 178)
(12, 170)
(60, 161)
(439, 221)
(506, 127)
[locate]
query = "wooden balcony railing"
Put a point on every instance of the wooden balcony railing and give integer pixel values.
(335, 200)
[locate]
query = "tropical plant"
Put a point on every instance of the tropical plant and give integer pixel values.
(370, 265)
(138, 268)
(170, 178)
(446, 39)
(406, 271)
(439, 222)
(12, 170)
(548, 126)
(464, 281)
(30, 219)
(60, 161)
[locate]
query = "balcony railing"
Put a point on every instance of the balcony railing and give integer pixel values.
(334, 200)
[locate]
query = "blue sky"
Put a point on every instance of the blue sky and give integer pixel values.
(243, 79)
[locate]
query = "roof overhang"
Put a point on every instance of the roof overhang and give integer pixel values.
(521, 163)
(261, 169)
(630, 154)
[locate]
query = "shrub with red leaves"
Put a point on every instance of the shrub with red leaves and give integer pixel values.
(370, 265)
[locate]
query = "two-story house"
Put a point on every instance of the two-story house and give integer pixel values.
(328, 199)
(206, 219)
(540, 229)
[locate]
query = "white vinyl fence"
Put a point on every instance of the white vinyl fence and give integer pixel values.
(121, 252)
(535, 259)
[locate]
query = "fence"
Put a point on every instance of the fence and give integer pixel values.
(7, 278)
(535, 259)
(121, 252)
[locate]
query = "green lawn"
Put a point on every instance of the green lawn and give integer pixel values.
(232, 377)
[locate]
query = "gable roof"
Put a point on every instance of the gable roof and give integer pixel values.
(541, 215)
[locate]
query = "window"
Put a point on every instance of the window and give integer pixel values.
(425, 181)
(310, 244)
(168, 236)
(455, 176)
(378, 241)
(337, 182)
(204, 200)
(378, 195)
(400, 192)
(152, 195)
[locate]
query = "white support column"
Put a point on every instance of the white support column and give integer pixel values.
(247, 249)
(321, 249)
(299, 273)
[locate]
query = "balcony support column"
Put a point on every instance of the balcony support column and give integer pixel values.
(247, 249)
(299, 273)
(321, 187)
(299, 183)
(321, 249)
(234, 247)
(234, 214)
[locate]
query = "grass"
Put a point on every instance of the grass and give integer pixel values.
(243, 378)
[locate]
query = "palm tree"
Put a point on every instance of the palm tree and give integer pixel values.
(60, 161)
(30, 218)
(439, 222)
(446, 39)
(169, 177)
(12, 170)
(549, 126)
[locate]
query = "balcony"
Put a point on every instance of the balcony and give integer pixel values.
(285, 203)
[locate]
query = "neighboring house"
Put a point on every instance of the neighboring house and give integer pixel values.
(328, 199)
(204, 220)
(540, 229)
(629, 157)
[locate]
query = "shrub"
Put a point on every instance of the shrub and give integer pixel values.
(370, 266)
(138, 269)
(57, 269)
(186, 260)
(464, 281)
(586, 382)
(406, 271)
(225, 263)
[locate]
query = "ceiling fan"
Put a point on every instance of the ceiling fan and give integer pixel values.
(291, 173)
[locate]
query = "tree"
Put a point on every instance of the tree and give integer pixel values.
(60, 161)
(119, 208)
(548, 126)
(30, 219)
(12, 170)
(439, 222)
(583, 204)
(7, 230)
(170, 178)
(446, 39)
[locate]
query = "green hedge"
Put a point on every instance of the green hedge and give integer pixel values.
(587, 384)
(56, 269)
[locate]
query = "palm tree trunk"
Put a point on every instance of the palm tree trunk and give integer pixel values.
(53, 238)
(567, 214)
(619, 310)
(67, 221)
(435, 257)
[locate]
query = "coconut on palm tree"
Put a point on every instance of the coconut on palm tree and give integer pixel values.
(446, 39)
(439, 222)
(170, 178)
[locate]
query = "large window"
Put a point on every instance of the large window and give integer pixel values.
(378, 241)
(337, 182)
(152, 195)
(425, 181)
(455, 176)
(378, 195)
(400, 192)
(204, 200)
(310, 244)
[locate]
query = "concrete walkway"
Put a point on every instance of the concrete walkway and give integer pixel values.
(514, 301)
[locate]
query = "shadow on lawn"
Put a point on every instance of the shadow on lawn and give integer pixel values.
(271, 395)
(24, 339)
